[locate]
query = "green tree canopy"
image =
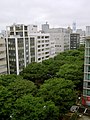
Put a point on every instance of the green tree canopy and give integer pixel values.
(34, 108)
(72, 72)
(11, 89)
(60, 91)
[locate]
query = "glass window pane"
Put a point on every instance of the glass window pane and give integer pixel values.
(88, 92)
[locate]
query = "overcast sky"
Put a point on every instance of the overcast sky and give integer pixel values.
(58, 13)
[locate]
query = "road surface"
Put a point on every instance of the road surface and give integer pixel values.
(84, 118)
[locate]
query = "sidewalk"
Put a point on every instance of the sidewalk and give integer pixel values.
(84, 118)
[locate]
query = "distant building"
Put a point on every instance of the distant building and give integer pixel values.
(86, 82)
(82, 36)
(45, 28)
(87, 30)
(3, 64)
(74, 27)
(74, 41)
(60, 38)
(25, 45)
(32, 29)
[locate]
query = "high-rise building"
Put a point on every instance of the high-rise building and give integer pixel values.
(74, 27)
(25, 45)
(45, 28)
(87, 30)
(18, 55)
(74, 40)
(86, 82)
(60, 37)
(3, 64)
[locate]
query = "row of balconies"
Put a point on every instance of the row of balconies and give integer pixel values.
(2, 48)
(2, 41)
(2, 56)
(19, 28)
(2, 70)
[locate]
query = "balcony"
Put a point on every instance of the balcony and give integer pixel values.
(2, 56)
(3, 62)
(2, 49)
(2, 41)
(2, 70)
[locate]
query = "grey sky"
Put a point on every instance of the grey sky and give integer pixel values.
(58, 13)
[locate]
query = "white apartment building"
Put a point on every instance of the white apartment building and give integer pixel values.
(42, 46)
(3, 64)
(25, 45)
(18, 55)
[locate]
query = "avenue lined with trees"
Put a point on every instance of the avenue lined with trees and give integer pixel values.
(43, 91)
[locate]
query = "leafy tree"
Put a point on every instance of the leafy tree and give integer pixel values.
(35, 72)
(6, 79)
(34, 108)
(22, 87)
(60, 91)
(72, 72)
(10, 90)
(5, 103)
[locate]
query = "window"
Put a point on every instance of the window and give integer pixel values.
(88, 92)
(47, 44)
(42, 37)
(84, 92)
(46, 36)
(39, 50)
(88, 76)
(42, 41)
(39, 58)
(88, 84)
(46, 52)
(32, 50)
(88, 68)
(38, 37)
(33, 59)
(38, 41)
(32, 40)
(47, 56)
(38, 46)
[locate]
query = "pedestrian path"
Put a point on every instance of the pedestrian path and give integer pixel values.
(84, 118)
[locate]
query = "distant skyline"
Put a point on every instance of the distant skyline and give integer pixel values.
(58, 13)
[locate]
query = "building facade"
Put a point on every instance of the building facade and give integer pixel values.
(45, 28)
(18, 55)
(41, 46)
(60, 37)
(3, 64)
(74, 41)
(25, 45)
(82, 36)
(86, 82)
(87, 30)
